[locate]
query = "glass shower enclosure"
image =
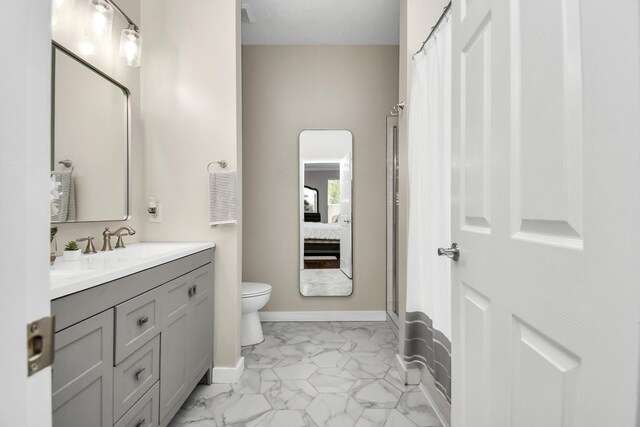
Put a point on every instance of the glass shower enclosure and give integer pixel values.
(392, 218)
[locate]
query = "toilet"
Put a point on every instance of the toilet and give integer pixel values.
(254, 297)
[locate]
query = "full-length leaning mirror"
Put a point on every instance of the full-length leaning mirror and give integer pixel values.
(89, 141)
(326, 161)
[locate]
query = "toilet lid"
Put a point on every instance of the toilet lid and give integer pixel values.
(252, 289)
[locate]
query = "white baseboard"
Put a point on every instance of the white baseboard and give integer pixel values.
(410, 376)
(228, 375)
(323, 316)
(436, 408)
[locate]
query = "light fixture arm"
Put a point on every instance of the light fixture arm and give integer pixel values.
(129, 20)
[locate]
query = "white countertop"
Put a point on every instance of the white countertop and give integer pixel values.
(68, 277)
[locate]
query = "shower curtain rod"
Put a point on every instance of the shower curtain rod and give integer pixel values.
(433, 29)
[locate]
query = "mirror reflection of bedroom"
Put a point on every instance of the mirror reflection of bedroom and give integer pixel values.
(325, 162)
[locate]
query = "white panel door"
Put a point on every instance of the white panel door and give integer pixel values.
(25, 115)
(546, 185)
(345, 215)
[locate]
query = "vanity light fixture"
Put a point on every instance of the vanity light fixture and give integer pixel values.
(131, 45)
(100, 13)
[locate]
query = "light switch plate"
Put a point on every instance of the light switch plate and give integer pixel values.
(157, 217)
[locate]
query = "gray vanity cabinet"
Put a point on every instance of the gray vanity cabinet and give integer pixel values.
(187, 338)
(82, 376)
(129, 352)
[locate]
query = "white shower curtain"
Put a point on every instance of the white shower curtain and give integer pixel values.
(428, 314)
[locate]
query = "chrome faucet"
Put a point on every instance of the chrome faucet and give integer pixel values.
(106, 237)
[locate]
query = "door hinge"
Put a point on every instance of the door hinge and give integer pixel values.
(40, 344)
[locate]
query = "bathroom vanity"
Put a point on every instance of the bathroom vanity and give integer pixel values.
(134, 333)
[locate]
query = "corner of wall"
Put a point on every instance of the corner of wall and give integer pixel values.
(192, 116)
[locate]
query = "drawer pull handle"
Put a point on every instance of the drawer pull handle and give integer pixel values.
(195, 289)
(143, 320)
(141, 422)
(139, 372)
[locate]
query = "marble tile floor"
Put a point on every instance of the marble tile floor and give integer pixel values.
(324, 282)
(336, 374)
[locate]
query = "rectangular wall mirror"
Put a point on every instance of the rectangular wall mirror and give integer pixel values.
(89, 141)
(326, 164)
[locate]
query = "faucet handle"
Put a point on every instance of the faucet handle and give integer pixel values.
(90, 249)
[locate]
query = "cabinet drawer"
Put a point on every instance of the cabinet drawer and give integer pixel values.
(137, 321)
(145, 412)
(134, 376)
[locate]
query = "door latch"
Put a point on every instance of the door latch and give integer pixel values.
(453, 252)
(40, 344)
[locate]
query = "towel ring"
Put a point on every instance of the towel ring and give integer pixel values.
(397, 109)
(221, 163)
(66, 163)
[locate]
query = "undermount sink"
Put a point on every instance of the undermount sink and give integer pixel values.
(94, 269)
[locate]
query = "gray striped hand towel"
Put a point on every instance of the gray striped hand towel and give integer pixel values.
(222, 198)
(66, 204)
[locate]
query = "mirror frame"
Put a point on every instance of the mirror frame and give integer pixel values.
(127, 104)
(353, 211)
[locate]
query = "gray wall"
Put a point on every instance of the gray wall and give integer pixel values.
(318, 180)
(287, 89)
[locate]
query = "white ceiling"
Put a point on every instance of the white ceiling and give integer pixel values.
(322, 22)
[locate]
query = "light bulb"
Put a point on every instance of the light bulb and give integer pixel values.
(131, 46)
(100, 20)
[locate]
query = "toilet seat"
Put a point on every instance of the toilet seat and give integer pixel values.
(254, 289)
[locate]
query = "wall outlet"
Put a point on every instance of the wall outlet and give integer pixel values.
(156, 217)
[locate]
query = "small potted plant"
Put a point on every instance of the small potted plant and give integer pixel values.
(71, 251)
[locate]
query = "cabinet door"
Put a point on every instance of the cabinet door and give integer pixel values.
(82, 378)
(201, 322)
(174, 342)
